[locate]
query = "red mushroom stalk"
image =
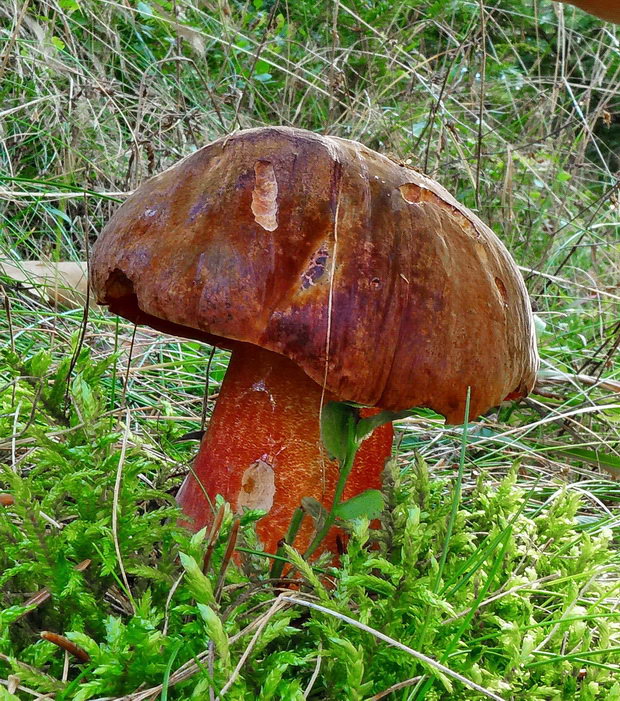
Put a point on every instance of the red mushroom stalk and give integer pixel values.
(331, 271)
(263, 449)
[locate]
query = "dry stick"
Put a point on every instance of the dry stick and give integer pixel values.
(435, 108)
(395, 687)
(593, 359)
(610, 353)
(332, 71)
(65, 667)
(13, 683)
(117, 489)
(337, 176)
(215, 531)
(250, 52)
(483, 70)
(259, 50)
(275, 607)
(44, 594)
(64, 194)
(564, 378)
(22, 106)
(12, 39)
(585, 231)
(33, 413)
(14, 438)
(601, 199)
(429, 661)
(524, 430)
(402, 51)
(10, 683)
(65, 644)
(230, 549)
(9, 318)
(315, 674)
(501, 595)
(28, 441)
(205, 396)
(565, 281)
(84, 324)
(173, 588)
(189, 668)
(177, 36)
(565, 614)
(129, 358)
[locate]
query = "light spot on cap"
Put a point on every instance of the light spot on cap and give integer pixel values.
(411, 192)
(265, 196)
(499, 283)
(257, 487)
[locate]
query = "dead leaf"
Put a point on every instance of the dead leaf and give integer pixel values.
(60, 284)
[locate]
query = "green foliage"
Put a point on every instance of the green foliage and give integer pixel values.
(367, 504)
(338, 430)
(521, 605)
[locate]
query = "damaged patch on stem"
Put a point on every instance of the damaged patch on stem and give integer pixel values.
(257, 487)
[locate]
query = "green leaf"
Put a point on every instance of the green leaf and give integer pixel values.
(69, 6)
(338, 421)
(166, 680)
(13, 613)
(216, 632)
(366, 426)
(199, 585)
(58, 43)
(84, 398)
(315, 510)
(368, 504)
(84, 641)
(305, 569)
(39, 364)
(145, 9)
(594, 457)
(540, 325)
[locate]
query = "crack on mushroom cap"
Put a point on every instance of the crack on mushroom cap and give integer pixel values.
(316, 268)
(117, 286)
(265, 196)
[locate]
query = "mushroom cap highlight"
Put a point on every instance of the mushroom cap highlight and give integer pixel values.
(367, 274)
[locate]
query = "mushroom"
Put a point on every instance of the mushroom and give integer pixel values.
(605, 9)
(332, 273)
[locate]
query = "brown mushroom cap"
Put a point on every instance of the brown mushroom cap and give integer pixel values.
(367, 274)
(605, 9)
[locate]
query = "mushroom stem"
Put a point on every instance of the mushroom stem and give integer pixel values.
(263, 450)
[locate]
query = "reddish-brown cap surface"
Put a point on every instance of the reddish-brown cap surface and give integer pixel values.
(605, 9)
(367, 274)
